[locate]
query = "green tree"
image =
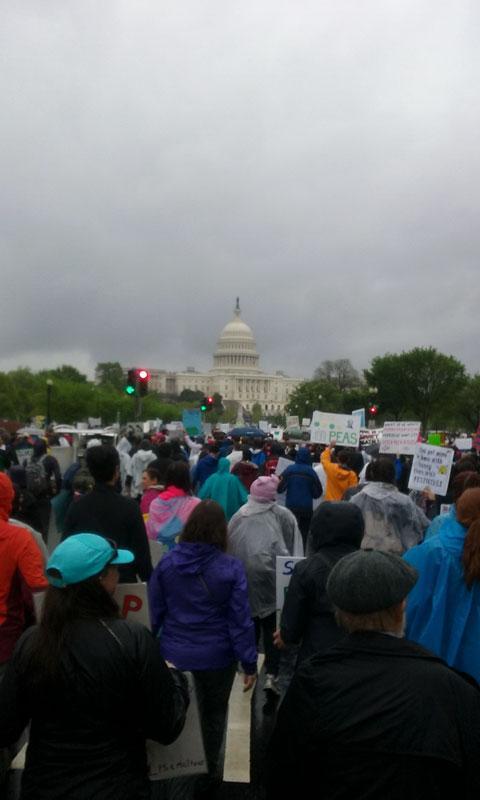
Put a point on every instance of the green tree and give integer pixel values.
(467, 404)
(110, 373)
(257, 413)
(191, 396)
(341, 373)
(421, 382)
(64, 373)
(316, 395)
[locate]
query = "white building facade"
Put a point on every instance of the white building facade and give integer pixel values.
(235, 375)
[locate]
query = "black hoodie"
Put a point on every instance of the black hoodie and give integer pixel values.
(336, 530)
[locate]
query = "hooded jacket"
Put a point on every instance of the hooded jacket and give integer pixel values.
(257, 534)
(225, 488)
(168, 514)
(199, 603)
(139, 462)
(301, 483)
(393, 522)
(20, 560)
(339, 478)
(307, 616)
(205, 467)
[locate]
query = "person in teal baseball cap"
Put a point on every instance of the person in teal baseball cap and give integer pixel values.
(83, 556)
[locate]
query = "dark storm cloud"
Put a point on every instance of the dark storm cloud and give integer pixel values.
(318, 159)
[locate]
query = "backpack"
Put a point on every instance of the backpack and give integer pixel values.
(36, 478)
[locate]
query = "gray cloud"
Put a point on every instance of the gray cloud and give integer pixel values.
(318, 159)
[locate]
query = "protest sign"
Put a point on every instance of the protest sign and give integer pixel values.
(306, 422)
(445, 508)
(400, 438)
(293, 422)
(192, 421)
(132, 599)
(264, 425)
(463, 443)
(431, 468)
(343, 428)
(360, 412)
(277, 434)
(284, 568)
(282, 465)
(434, 439)
(186, 756)
(207, 428)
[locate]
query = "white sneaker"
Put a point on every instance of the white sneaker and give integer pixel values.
(271, 684)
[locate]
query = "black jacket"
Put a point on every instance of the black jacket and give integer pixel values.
(109, 514)
(376, 718)
(88, 730)
(336, 530)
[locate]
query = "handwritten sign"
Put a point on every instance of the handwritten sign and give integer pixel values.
(431, 468)
(400, 438)
(282, 465)
(133, 601)
(186, 755)
(284, 568)
(192, 421)
(293, 422)
(463, 443)
(343, 428)
(360, 412)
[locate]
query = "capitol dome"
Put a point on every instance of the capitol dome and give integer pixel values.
(236, 348)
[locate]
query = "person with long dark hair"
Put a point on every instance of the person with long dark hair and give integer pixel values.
(93, 686)
(198, 598)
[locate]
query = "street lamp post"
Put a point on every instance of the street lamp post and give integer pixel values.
(49, 403)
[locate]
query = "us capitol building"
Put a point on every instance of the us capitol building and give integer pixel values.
(236, 374)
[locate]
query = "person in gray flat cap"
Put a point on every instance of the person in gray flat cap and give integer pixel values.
(375, 716)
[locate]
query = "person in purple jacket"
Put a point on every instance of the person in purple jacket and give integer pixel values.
(199, 607)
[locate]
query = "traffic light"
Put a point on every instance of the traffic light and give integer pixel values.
(209, 403)
(131, 386)
(204, 404)
(143, 378)
(372, 410)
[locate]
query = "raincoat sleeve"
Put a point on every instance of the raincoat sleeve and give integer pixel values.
(239, 620)
(156, 598)
(204, 491)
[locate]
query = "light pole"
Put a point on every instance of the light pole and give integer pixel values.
(49, 402)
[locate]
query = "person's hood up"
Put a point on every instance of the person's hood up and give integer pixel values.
(145, 456)
(6, 496)
(378, 490)
(172, 492)
(336, 523)
(223, 465)
(303, 456)
(39, 448)
(191, 558)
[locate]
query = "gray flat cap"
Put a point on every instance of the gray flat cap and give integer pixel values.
(370, 580)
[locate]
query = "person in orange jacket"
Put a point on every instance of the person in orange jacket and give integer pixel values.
(340, 476)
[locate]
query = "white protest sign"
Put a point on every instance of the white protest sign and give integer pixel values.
(277, 434)
(207, 428)
(431, 468)
(282, 465)
(400, 438)
(224, 427)
(133, 601)
(284, 569)
(264, 425)
(463, 443)
(293, 422)
(343, 428)
(360, 412)
(306, 422)
(445, 508)
(186, 756)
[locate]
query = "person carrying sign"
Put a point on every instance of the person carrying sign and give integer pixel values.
(340, 474)
(93, 686)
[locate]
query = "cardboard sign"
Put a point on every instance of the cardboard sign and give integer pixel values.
(264, 425)
(360, 412)
(282, 465)
(463, 443)
(400, 438)
(192, 421)
(293, 422)
(133, 601)
(306, 422)
(434, 439)
(431, 468)
(284, 568)
(343, 428)
(186, 755)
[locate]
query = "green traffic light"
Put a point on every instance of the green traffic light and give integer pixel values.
(130, 389)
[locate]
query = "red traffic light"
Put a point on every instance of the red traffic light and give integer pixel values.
(143, 374)
(373, 410)
(210, 401)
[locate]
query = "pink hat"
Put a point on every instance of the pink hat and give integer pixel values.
(264, 489)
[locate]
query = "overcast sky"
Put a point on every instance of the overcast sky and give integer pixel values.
(319, 159)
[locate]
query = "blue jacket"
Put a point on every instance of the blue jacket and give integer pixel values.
(206, 466)
(443, 615)
(301, 482)
(199, 603)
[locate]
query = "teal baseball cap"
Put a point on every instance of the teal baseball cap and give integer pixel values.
(82, 556)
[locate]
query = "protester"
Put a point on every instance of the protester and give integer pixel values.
(206, 466)
(308, 616)
(198, 599)
(340, 475)
(171, 509)
(375, 716)
(245, 469)
(225, 488)
(443, 611)
(259, 532)
(151, 488)
(258, 454)
(111, 515)
(43, 481)
(460, 482)
(93, 686)
(138, 464)
(302, 486)
(162, 461)
(237, 453)
(274, 453)
(393, 522)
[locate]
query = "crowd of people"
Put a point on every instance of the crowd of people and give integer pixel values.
(368, 712)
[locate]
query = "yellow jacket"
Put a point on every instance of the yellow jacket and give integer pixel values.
(339, 479)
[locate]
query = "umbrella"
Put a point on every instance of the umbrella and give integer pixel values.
(249, 430)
